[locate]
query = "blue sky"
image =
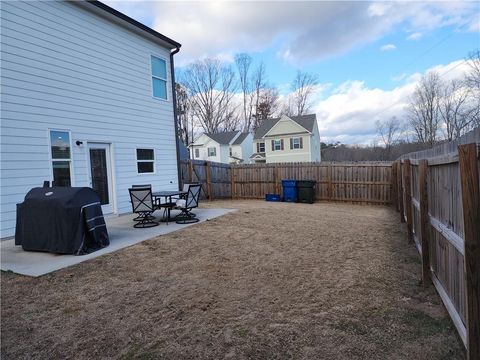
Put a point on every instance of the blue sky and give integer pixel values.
(368, 55)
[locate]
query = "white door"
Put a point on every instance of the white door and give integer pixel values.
(100, 174)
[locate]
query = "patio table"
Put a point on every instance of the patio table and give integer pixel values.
(168, 195)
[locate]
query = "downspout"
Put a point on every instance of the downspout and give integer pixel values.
(174, 99)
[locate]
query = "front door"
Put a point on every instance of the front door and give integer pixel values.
(101, 174)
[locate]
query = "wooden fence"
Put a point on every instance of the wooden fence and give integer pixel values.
(437, 193)
(360, 182)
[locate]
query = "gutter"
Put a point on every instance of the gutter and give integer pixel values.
(175, 119)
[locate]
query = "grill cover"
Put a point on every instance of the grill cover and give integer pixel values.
(61, 220)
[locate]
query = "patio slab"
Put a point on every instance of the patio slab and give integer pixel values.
(121, 233)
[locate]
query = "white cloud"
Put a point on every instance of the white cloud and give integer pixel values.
(301, 31)
(348, 115)
(414, 36)
(388, 47)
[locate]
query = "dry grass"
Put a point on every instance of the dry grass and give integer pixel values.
(272, 280)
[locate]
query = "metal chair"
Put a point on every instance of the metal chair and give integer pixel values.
(187, 204)
(156, 202)
(143, 205)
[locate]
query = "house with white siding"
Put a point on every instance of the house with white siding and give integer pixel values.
(230, 147)
(86, 100)
(287, 139)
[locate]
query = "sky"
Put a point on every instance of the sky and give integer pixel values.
(368, 55)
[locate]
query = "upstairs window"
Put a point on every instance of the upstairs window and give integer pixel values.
(145, 161)
(260, 147)
(197, 153)
(212, 151)
(159, 78)
(277, 145)
(230, 151)
(61, 157)
(296, 143)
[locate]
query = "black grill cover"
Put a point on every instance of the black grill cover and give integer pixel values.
(61, 220)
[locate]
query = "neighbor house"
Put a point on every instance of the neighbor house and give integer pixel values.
(86, 101)
(287, 139)
(224, 147)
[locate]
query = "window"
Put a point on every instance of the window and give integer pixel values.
(61, 157)
(145, 161)
(296, 143)
(197, 153)
(260, 147)
(159, 78)
(277, 145)
(230, 151)
(212, 151)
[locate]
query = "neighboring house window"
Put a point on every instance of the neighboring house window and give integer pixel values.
(260, 147)
(296, 143)
(230, 151)
(197, 153)
(277, 145)
(212, 151)
(159, 78)
(61, 157)
(145, 161)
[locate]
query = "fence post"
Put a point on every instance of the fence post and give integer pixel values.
(232, 181)
(408, 198)
(394, 185)
(471, 220)
(190, 170)
(208, 179)
(400, 191)
(424, 220)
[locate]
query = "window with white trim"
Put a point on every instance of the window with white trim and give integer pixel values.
(61, 156)
(276, 145)
(296, 143)
(145, 161)
(159, 78)
(197, 153)
(261, 147)
(212, 151)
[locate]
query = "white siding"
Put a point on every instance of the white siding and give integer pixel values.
(64, 67)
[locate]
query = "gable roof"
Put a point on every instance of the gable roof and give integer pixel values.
(223, 138)
(134, 22)
(305, 121)
(240, 138)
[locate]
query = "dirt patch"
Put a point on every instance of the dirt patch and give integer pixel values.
(272, 280)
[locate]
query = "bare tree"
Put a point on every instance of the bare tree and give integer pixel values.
(303, 88)
(266, 107)
(458, 109)
(211, 88)
(424, 108)
(251, 84)
(472, 79)
(390, 132)
(183, 108)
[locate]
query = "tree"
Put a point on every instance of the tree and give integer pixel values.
(424, 108)
(183, 109)
(266, 106)
(457, 109)
(211, 87)
(251, 84)
(472, 79)
(390, 131)
(303, 88)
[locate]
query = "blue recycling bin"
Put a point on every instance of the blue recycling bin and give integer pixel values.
(289, 190)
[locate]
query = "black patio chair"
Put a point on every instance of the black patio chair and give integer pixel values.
(187, 204)
(138, 218)
(143, 205)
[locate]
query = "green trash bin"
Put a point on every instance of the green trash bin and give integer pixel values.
(306, 191)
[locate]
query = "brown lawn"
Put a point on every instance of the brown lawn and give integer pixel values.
(273, 280)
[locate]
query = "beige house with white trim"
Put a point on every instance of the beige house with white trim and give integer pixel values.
(287, 139)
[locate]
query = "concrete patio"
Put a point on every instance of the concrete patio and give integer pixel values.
(121, 233)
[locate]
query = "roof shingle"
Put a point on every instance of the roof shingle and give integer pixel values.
(305, 121)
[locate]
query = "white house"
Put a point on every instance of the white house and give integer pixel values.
(86, 101)
(225, 147)
(287, 139)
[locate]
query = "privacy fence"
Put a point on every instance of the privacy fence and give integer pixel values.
(360, 182)
(437, 193)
